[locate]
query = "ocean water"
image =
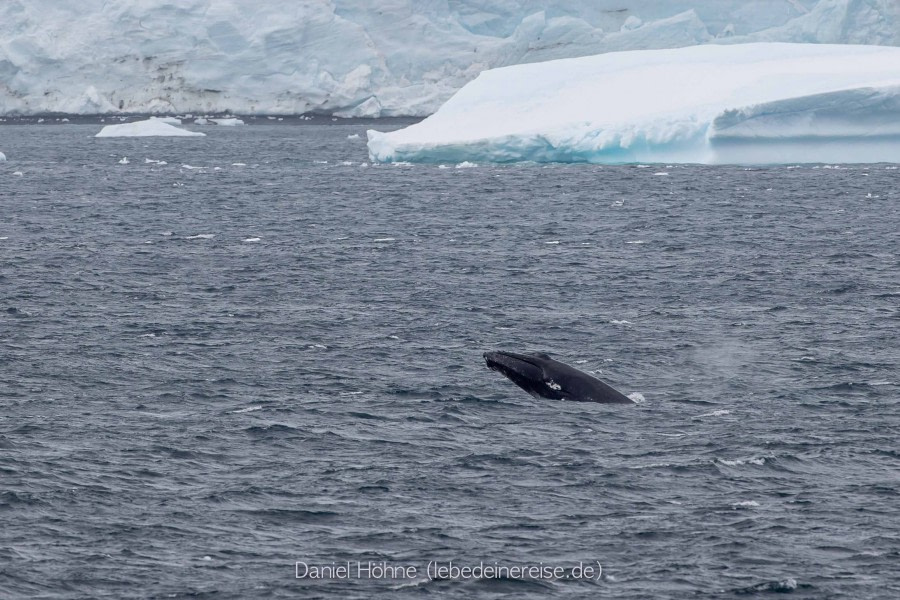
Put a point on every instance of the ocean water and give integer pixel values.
(259, 356)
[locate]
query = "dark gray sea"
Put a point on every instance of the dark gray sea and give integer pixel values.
(251, 356)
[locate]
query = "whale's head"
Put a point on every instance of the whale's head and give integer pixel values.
(528, 371)
(543, 377)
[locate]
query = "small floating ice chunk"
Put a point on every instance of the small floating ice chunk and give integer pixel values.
(715, 413)
(201, 236)
(745, 504)
(387, 239)
(781, 587)
(18, 173)
(353, 136)
(169, 120)
(466, 165)
(622, 322)
(553, 243)
(150, 127)
(201, 121)
(124, 160)
(661, 173)
(246, 410)
(253, 239)
(2, 157)
(228, 121)
(238, 164)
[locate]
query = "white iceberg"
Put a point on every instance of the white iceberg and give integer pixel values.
(150, 127)
(743, 103)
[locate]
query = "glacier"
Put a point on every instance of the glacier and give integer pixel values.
(746, 103)
(358, 58)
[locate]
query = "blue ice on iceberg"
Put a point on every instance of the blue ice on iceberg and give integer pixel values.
(713, 104)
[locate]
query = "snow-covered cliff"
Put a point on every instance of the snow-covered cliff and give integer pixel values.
(357, 57)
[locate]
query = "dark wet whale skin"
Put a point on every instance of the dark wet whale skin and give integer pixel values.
(543, 377)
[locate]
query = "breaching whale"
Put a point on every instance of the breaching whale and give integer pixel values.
(543, 377)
